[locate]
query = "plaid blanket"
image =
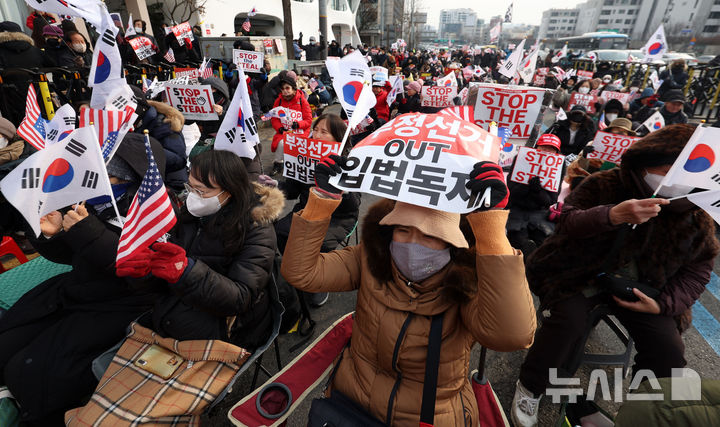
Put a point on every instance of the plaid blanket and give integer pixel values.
(129, 395)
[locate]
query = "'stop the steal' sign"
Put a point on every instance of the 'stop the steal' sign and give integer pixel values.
(610, 147)
(547, 166)
(301, 154)
(193, 101)
(423, 159)
(512, 107)
(183, 31)
(248, 60)
(586, 100)
(438, 96)
(143, 47)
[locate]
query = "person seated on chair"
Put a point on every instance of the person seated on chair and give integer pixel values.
(413, 263)
(218, 259)
(50, 336)
(670, 253)
(528, 224)
(328, 127)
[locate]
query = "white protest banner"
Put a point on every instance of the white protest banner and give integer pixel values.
(514, 107)
(698, 164)
(301, 154)
(547, 166)
(279, 46)
(438, 96)
(143, 47)
(193, 101)
(248, 60)
(423, 159)
(610, 147)
(586, 100)
(607, 95)
(374, 70)
(183, 31)
(584, 75)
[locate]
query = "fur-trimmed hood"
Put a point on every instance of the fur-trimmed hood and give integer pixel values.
(18, 42)
(459, 280)
(172, 115)
(272, 202)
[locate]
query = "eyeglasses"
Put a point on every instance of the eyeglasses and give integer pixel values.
(191, 189)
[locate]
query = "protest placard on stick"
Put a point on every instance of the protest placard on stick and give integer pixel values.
(301, 154)
(610, 147)
(514, 107)
(547, 166)
(193, 101)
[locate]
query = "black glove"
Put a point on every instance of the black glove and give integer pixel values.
(488, 175)
(587, 150)
(295, 125)
(328, 166)
(534, 183)
(281, 130)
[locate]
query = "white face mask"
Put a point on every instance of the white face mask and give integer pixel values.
(201, 206)
(138, 29)
(653, 180)
(610, 117)
(79, 47)
(3, 141)
(584, 90)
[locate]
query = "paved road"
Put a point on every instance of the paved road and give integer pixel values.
(702, 346)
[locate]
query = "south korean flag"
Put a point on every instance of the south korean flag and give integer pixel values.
(67, 172)
(238, 132)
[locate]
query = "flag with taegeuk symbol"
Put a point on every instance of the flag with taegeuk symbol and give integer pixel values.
(150, 215)
(32, 128)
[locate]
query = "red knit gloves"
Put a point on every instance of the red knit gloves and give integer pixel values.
(489, 175)
(136, 266)
(168, 262)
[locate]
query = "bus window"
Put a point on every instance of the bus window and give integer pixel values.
(606, 43)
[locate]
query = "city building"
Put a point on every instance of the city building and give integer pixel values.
(558, 23)
(457, 24)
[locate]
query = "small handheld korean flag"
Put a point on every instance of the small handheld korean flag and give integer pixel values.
(698, 164)
(89, 10)
(60, 175)
(560, 55)
(106, 69)
(449, 80)
(61, 125)
(656, 46)
(654, 122)
(510, 66)
(351, 79)
(238, 132)
(526, 70)
(709, 201)
(130, 28)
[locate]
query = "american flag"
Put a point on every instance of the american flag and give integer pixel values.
(601, 122)
(169, 55)
(150, 215)
(509, 13)
(32, 128)
(246, 25)
(106, 122)
(205, 70)
(462, 112)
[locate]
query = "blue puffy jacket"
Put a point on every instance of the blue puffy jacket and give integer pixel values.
(165, 124)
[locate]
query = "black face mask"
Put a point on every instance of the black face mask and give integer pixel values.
(576, 118)
(54, 43)
(218, 99)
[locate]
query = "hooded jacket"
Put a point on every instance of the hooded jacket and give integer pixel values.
(388, 348)
(165, 124)
(17, 50)
(585, 134)
(673, 252)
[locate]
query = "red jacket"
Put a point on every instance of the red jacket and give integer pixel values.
(381, 107)
(298, 103)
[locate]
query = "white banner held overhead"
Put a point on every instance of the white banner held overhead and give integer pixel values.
(514, 107)
(530, 163)
(248, 60)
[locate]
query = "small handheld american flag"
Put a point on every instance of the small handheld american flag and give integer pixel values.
(246, 25)
(169, 55)
(32, 128)
(150, 215)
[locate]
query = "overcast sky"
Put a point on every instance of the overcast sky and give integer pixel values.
(525, 11)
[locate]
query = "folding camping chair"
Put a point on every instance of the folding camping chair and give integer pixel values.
(295, 381)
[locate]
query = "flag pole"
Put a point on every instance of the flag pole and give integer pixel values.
(112, 196)
(345, 137)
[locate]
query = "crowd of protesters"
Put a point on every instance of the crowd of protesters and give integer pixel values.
(478, 270)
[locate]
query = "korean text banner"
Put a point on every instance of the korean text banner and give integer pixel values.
(513, 107)
(143, 47)
(248, 60)
(423, 159)
(547, 166)
(610, 147)
(302, 153)
(193, 101)
(183, 31)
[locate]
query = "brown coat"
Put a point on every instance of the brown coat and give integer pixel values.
(500, 315)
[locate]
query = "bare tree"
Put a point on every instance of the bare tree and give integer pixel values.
(367, 16)
(181, 10)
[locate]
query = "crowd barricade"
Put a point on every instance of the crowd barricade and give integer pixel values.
(702, 89)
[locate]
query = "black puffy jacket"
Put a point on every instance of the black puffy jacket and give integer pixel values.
(219, 286)
(585, 134)
(165, 124)
(17, 50)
